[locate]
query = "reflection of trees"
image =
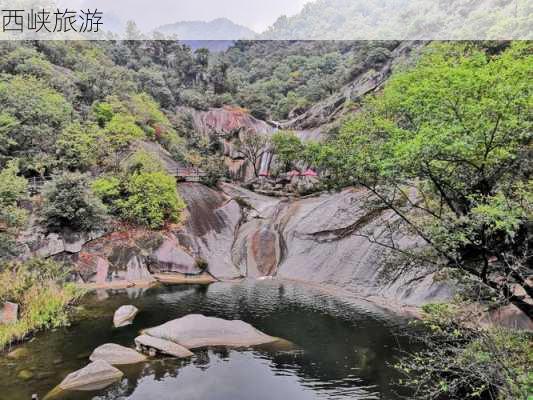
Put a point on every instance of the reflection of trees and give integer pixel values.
(202, 359)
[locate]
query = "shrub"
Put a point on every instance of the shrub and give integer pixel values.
(77, 147)
(70, 202)
(142, 161)
(39, 287)
(461, 360)
(13, 189)
(150, 199)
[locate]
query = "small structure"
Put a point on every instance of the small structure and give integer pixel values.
(190, 174)
(9, 313)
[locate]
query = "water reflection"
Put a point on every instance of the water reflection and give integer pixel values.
(343, 347)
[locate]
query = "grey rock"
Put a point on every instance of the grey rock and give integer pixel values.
(136, 270)
(171, 257)
(95, 376)
(115, 354)
(163, 346)
(124, 316)
(195, 331)
(321, 240)
(210, 227)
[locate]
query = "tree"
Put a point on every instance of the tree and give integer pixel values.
(460, 359)
(69, 202)
(447, 147)
(288, 148)
(77, 147)
(13, 189)
(251, 146)
(150, 199)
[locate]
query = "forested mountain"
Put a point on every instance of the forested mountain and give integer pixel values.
(405, 19)
(217, 29)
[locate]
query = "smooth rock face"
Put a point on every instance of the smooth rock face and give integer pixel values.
(124, 316)
(136, 270)
(115, 354)
(164, 346)
(97, 375)
(322, 240)
(170, 257)
(195, 331)
(210, 227)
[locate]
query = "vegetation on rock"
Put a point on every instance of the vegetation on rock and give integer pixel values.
(40, 289)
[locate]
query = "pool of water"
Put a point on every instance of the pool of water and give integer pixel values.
(343, 348)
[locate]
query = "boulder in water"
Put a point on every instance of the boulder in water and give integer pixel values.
(97, 375)
(195, 331)
(124, 316)
(115, 354)
(163, 346)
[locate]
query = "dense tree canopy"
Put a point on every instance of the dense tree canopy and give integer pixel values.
(451, 140)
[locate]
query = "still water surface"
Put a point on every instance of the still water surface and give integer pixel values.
(343, 348)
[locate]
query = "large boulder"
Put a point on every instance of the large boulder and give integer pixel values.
(195, 331)
(163, 346)
(115, 354)
(124, 316)
(95, 376)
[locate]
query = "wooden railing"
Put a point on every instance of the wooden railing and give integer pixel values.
(35, 184)
(190, 174)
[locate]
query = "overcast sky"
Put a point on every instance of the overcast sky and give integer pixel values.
(148, 14)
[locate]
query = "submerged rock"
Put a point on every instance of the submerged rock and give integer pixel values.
(124, 316)
(115, 354)
(194, 331)
(25, 375)
(163, 346)
(19, 353)
(97, 375)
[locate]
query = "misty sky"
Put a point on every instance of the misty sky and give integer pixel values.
(256, 14)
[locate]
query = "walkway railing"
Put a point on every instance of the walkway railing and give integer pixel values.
(190, 174)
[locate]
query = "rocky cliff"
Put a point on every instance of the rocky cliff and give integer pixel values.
(239, 233)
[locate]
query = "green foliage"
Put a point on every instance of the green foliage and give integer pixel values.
(287, 147)
(142, 161)
(13, 189)
(150, 199)
(39, 287)
(78, 147)
(121, 130)
(34, 111)
(460, 360)
(107, 188)
(103, 112)
(456, 131)
(68, 201)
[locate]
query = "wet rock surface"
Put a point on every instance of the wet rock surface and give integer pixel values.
(163, 346)
(196, 331)
(97, 375)
(115, 354)
(323, 240)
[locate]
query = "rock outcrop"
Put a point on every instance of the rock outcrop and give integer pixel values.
(323, 240)
(196, 331)
(163, 346)
(115, 354)
(210, 227)
(95, 376)
(124, 316)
